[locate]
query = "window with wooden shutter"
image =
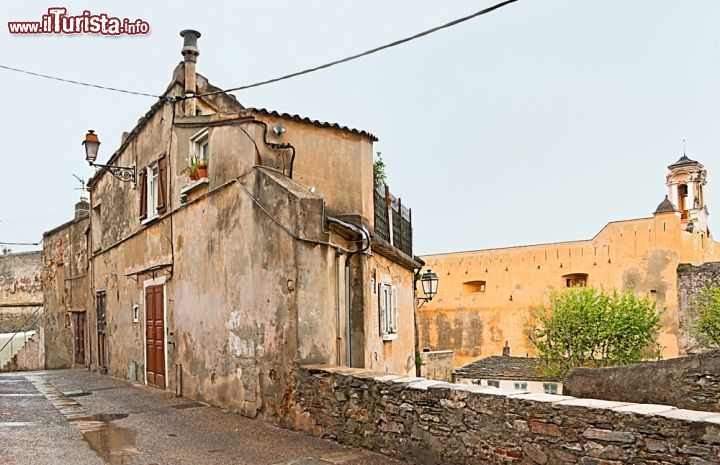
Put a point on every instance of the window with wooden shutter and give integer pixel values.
(382, 307)
(387, 310)
(162, 184)
(393, 309)
(142, 184)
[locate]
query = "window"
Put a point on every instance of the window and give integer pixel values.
(200, 146)
(152, 184)
(576, 280)
(493, 383)
(387, 306)
(474, 286)
(521, 386)
(550, 388)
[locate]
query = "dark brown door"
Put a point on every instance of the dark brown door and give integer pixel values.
(155, 335)
(102, 354)
(79, 333)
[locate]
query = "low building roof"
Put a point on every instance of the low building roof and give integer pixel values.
(504, 367)
(665, 206)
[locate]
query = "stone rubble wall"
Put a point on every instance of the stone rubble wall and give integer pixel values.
(691, 382)
(691, 280)
(431, 422)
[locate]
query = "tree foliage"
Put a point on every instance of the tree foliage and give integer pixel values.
(707, 309)
(379, 170)
(590, 327)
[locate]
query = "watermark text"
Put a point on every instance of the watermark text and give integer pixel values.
(57, 21)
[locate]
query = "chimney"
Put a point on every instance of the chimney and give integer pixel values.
(190, 53)
(506, 350)
(82, 208)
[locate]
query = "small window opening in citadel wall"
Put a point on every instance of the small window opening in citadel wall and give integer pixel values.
(575, 280)
(474, 286)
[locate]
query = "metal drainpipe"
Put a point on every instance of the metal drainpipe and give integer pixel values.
(338, 279)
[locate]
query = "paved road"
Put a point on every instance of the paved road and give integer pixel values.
(76, 417)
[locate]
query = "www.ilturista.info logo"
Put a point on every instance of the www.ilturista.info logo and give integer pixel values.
(57, 21)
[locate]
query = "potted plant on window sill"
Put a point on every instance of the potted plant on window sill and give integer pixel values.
(192, 171)
(202, 168)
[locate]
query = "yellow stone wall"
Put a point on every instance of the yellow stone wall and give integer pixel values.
(641, 253)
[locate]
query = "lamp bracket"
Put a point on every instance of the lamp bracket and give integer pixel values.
(123, 173)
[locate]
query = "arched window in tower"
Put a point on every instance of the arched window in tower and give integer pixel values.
(682, 199)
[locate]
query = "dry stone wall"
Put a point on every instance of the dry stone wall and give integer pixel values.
(431, 422)
(691, 382)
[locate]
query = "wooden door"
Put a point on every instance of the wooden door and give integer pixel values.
(155, 335)
(101, 299)
(79, 333)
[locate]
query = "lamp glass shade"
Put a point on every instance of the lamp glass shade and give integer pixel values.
(92, 144)
(429, 282)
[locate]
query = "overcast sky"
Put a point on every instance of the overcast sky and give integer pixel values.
(539, 122)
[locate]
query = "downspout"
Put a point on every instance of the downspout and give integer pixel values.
(363, 232)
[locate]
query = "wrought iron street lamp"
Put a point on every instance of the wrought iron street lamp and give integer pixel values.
(429, 281)
(92, 144)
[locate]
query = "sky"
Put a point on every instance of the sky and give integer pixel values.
(540, 122)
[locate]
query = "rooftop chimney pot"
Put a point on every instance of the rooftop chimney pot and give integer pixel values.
(190, 37)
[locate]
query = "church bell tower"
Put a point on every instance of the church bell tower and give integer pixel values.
(686, 183)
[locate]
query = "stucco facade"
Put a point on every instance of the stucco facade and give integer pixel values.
(218, 288)
(21, 294)
(486, 297)
(67, 292)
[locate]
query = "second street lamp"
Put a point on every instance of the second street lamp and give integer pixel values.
(92, 145)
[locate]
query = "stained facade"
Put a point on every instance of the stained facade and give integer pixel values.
(487, 296)
(218, 284)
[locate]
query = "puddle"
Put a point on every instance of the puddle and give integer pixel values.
(113, 444)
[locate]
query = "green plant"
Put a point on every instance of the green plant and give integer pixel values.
(707, 310)
(590, 327)
(201, 163)
(379, 170)
(191, 169)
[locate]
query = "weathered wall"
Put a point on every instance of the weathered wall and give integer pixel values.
(691, 382)
(642, 254)
(20, 290)
(691, 280)
(66, 287)
(428, 422)
(437, 365)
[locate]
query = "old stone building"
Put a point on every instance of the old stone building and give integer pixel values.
(67, 291)
(238, 244)
(487, 296)
(21, 311)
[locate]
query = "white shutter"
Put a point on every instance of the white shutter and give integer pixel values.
(382, 308)
(393, 310)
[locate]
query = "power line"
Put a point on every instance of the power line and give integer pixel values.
(287, 76)
(20, 243)
(87, 84)
(365, 53)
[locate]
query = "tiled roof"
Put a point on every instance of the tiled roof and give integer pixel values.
(301, 119)
(665, 206)
(504, 367)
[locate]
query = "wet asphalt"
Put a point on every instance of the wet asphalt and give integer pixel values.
(77, 417)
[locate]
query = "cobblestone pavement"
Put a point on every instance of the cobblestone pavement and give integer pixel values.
(77, 417)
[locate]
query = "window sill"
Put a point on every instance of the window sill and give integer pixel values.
(193, 185)
(389, 337)
(149, 220)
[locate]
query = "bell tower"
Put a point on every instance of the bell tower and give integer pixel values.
(686, 184)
